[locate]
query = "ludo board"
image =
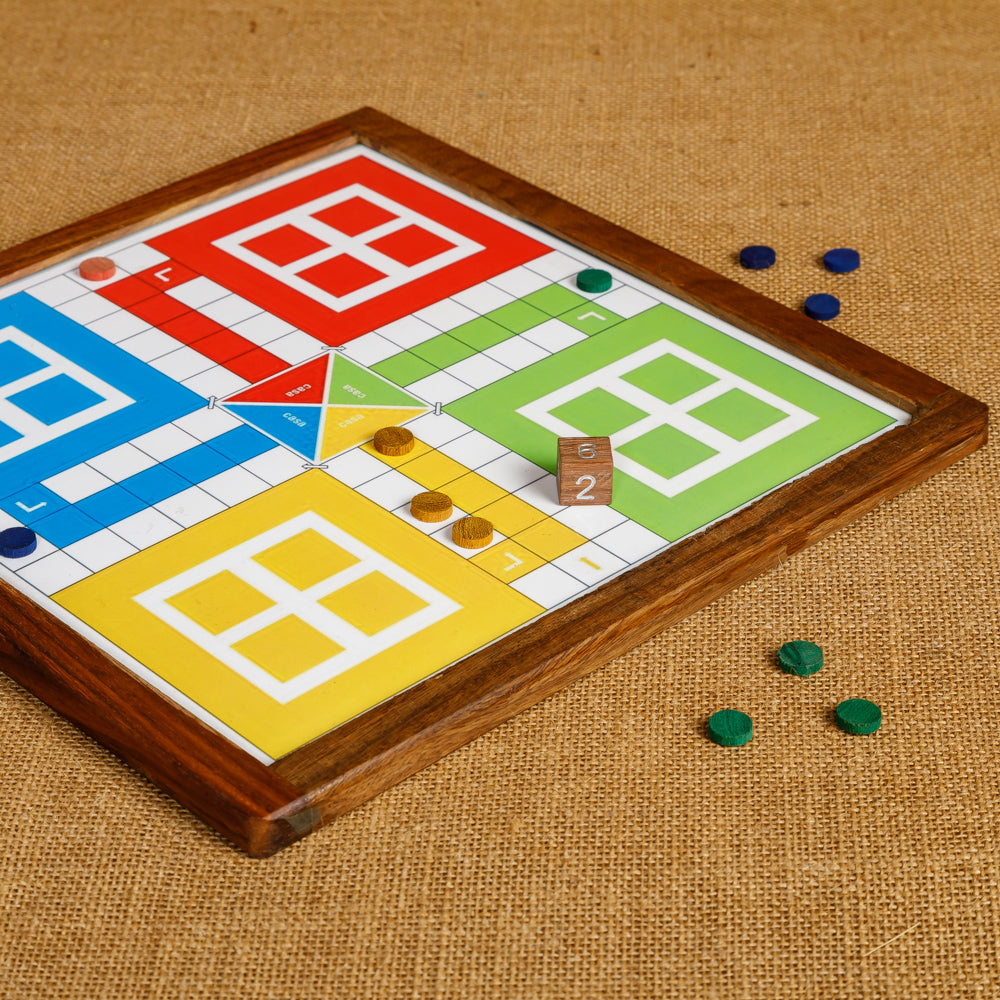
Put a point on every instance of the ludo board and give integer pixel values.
(229, 589)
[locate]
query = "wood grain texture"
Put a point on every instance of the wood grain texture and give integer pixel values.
(263, 809)
(584, 470)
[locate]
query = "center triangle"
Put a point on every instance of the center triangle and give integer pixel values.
(324, 406)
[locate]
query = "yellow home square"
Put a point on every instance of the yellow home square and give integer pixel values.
(305, 559)
(373, 603)
(220, 602)
(297, 610)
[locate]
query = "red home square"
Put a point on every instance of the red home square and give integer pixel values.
(201, 245)
(411, 245)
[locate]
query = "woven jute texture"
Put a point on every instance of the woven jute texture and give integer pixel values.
(597, 846)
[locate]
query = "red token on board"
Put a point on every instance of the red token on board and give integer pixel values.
(97, 269)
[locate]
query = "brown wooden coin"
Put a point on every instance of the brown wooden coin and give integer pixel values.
(97, 269)
(472, 532)
(394, 441)
(431, 506)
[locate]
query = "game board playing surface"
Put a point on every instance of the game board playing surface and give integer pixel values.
(191, 439)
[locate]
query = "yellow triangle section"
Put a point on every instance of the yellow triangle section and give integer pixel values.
(347, 426)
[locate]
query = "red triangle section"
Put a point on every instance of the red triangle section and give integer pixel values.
(303, 384)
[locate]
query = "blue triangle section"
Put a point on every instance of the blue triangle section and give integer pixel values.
(297, 427)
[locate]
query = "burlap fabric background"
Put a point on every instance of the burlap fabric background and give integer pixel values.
(597, 846)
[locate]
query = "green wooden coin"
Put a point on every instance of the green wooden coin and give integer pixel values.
(593, 280)
(858, 716)
(800, 657)
(730, 728)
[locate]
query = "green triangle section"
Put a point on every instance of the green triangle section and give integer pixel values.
(351, 385)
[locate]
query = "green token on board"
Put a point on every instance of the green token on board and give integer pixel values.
(730, 728)
(593, 280)
(858, 716)
(800, 657)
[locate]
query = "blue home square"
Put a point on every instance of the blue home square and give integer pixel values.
(16, 362)
(7, 434)
(156, 399)
(55, 399)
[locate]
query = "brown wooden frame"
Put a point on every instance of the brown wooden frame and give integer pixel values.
(263, 808)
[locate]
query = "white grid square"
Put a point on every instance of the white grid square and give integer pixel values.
(445, 315)
(181, 363)
(165, 442)
(556, 265)
(548, 586)
(121, 462)
(630, 541)
(477, 371)
(370, 348)
(275, 466)
(230, 310)
(146, 528)
(207, 423)
(87, 307)
(234, 485)
(626, 302)
(100, 550)
(483, 298)
(77, 483)
(56, 291)
(553, 335)
(437, 429)
(390, 490)
(590, 564)
(149, 345)
(473, 449)
(590, 520)
(543, 495)
(190, 506)
(512, 472)
(118, 326)
(262, 328)
(516, 353)
(439, 388)
(53, 573)
(295, 347)
(218, 382)
(355, 467)
(197, 292)
(139, 257)
(408, 332)
(519, 281)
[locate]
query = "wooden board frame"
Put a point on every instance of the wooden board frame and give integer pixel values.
(263, 809)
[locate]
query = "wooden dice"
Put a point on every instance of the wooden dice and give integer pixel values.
(584, 470)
